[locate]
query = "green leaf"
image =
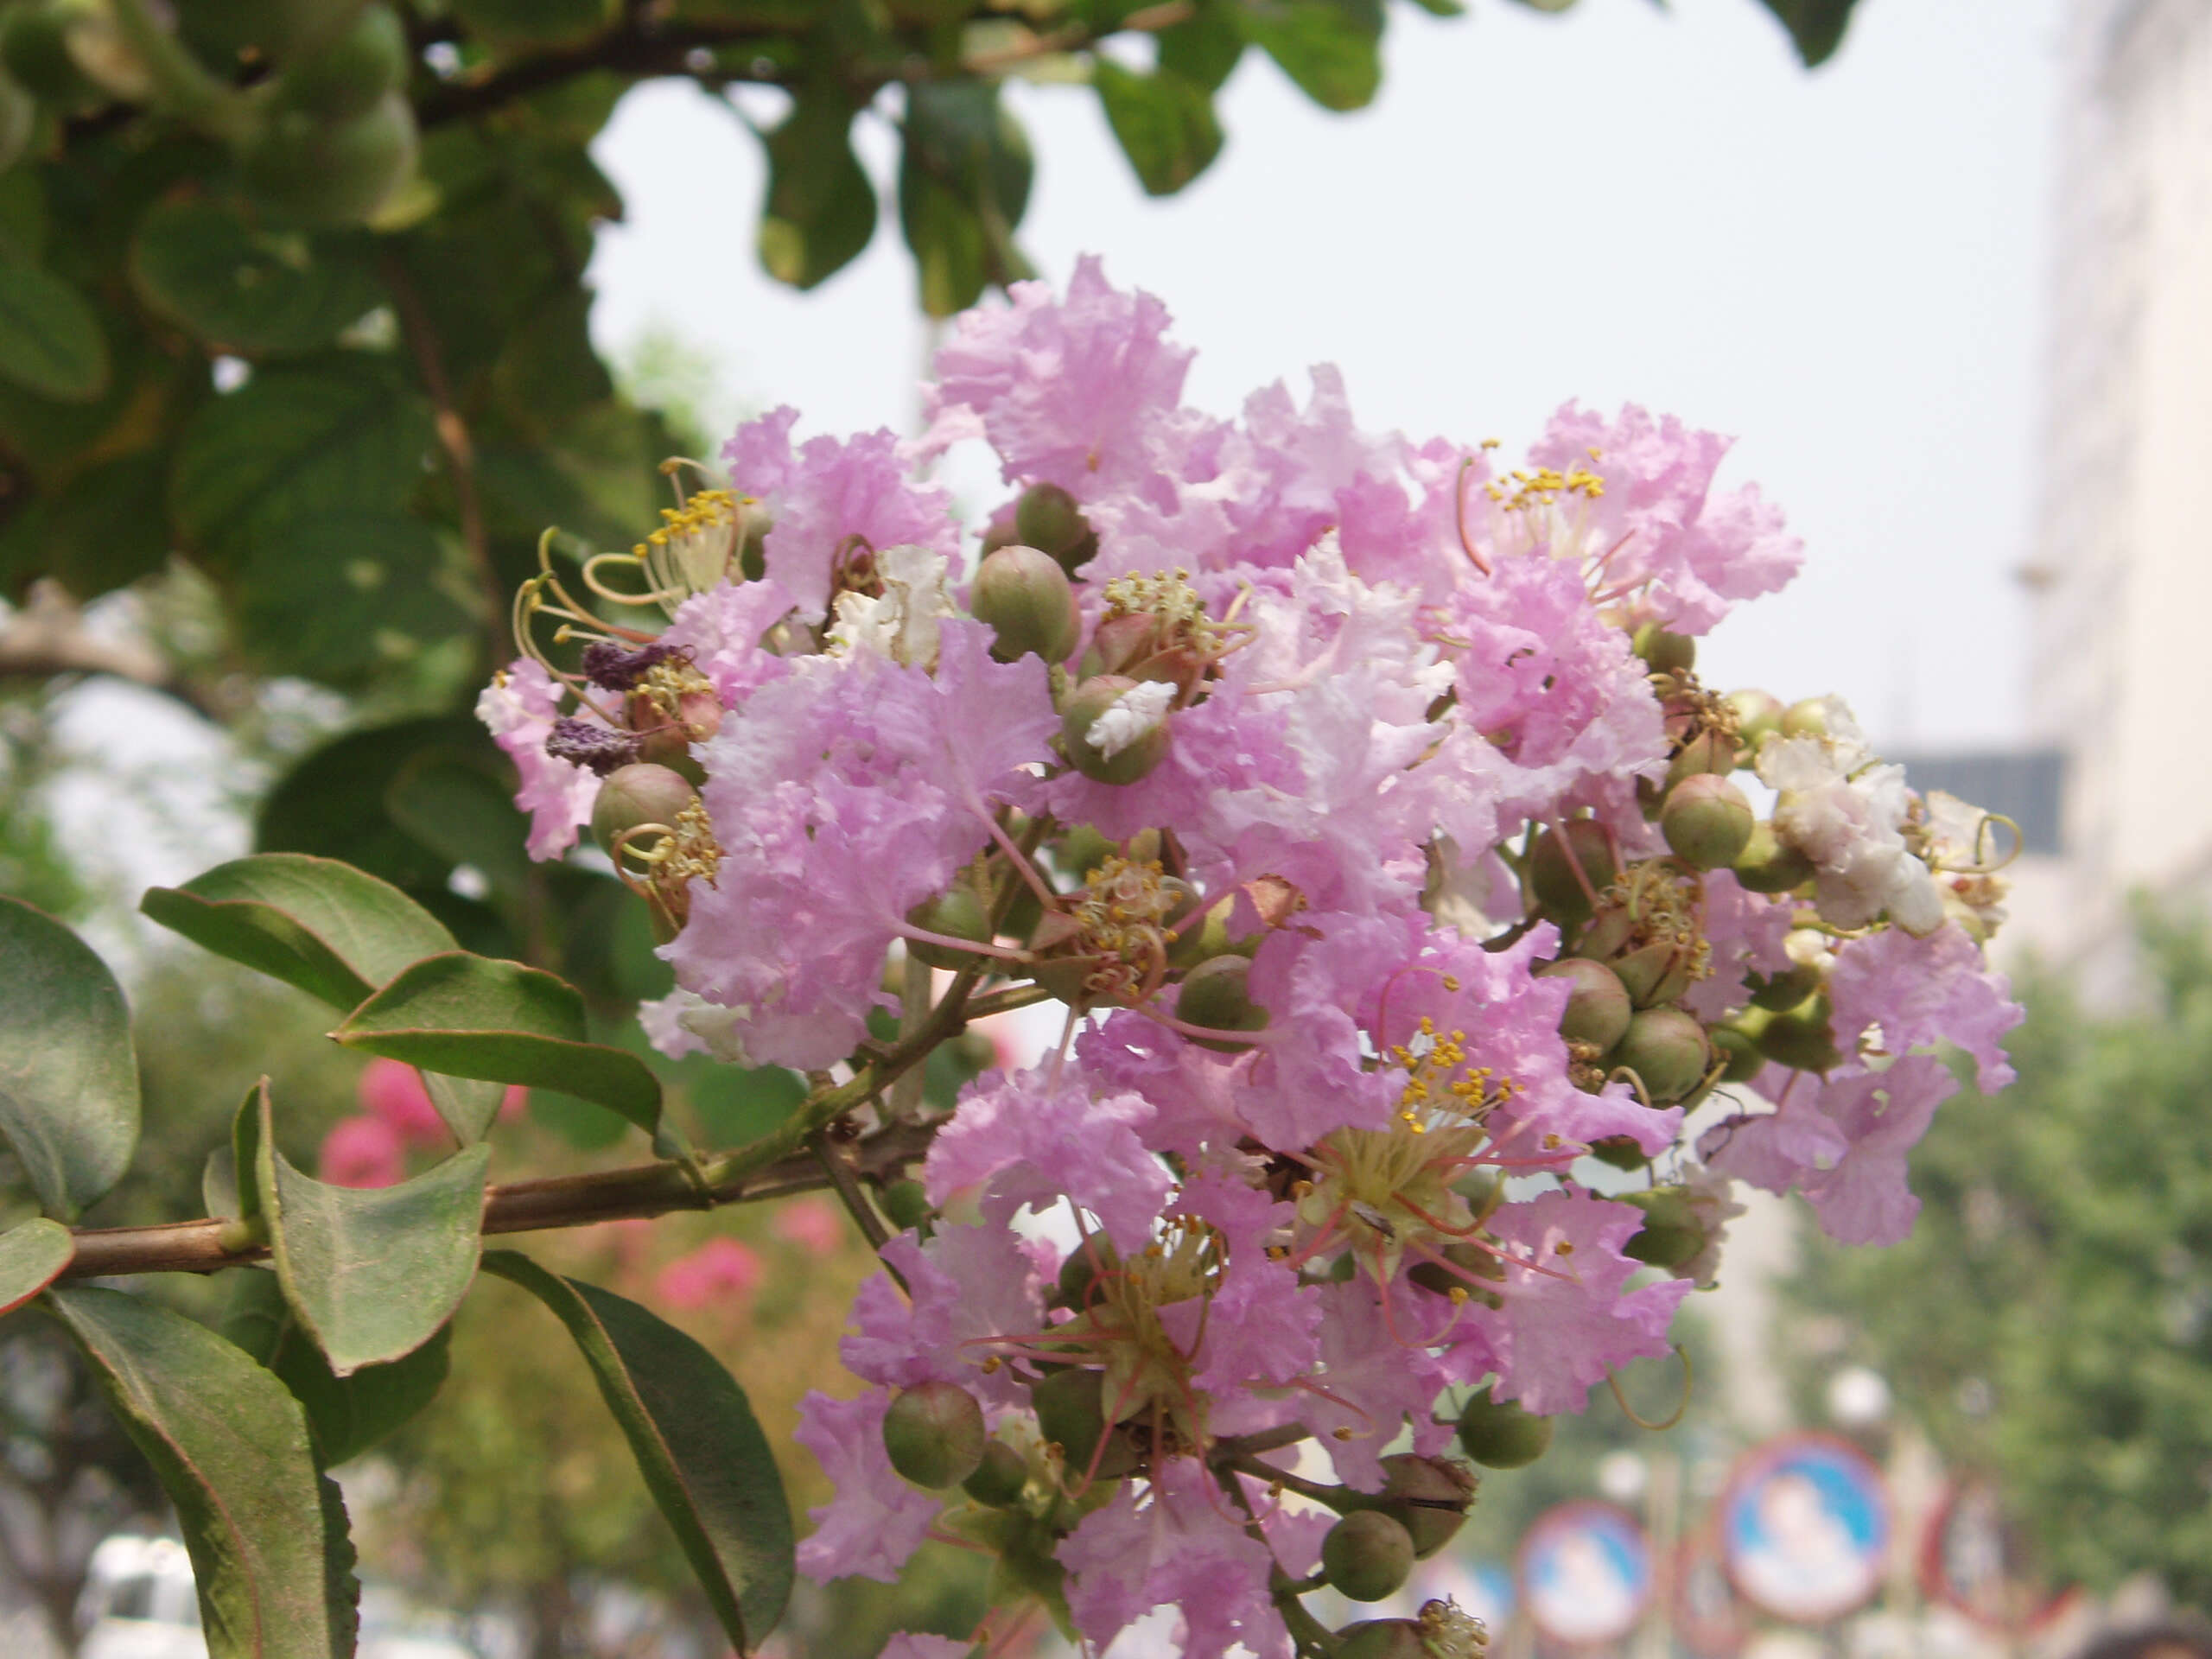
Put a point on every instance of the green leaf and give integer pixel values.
(332, 930)
(336, 596)
(951, 253)
(335, 434)
(820, 211)
(1164, 125)
(347, 1415)
(333, 800)
(1331, 48)
(69, 1076)
(102, 529)
(1815, 26)
(264, 1528)
(254, 291)
(964, 175)
(469, 1016)
(458, 805)
(693, 1433)
(32, 1256)
(1203, 50)
(50, 341)
(373, 1273)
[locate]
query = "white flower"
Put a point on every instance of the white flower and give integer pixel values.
(902, 624)
(1137, 711)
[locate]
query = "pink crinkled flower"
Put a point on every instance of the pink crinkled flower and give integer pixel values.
(520, 707)
(1175, 1541)
(1026, 1139)
(1378, 1371)
(1309, 1075)
(1192, 1091)
(1658, 526)
(362, 1151)
(876, 1520)
(1568, 1316)
(722, 630)
(827, 491)
(1747, 931)
(392, 1090)
(720, 1270)
(910, 1644)
(1280, 471)
(1389, 534)
(1261, 1325)
(968, 1290)
(1919, 992)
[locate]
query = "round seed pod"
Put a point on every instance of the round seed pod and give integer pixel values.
(638, 794)
(934, 1434)
(1381, 1638)
(1802, 1037)
(1025, 596)
(1367, 1555)
(905, 1203)
(1619, 1151)
(1740, 1049)
(1551, 876)
(1664, 650)
(1213, 995)
(1759, 714)
(1071, 1415)
(1598, 1009)
(1768, 865)
(1499, 1434)
(1707, 821)
(957, 912)
(319, 172)
(1428, 1496)
(1806, 718)
(368, 59)
(1000, 1478)
(1670, 1235)
(1050, 519)
(1668, 1052)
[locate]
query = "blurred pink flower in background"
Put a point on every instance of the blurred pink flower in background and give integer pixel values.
(812, 1224)
(393, 1092)
(363, 1152)
(719, 1268)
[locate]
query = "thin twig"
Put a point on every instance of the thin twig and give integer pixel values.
(831, 1157)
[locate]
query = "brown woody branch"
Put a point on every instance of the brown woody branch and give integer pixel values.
(48, 636)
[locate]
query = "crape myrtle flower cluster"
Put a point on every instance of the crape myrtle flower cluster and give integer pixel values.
(1361, 801)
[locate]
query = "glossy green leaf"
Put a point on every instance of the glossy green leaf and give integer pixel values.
(460, 806)
(50, 341)
(468, 1016)
(69, 1075)
(337, 596)
(820, 211)
(32, 1255)
(230, 1445)
(104, 529)
(1331, 48)
(951, 253)
(1207, 48)
(337, 433)
(247, 290)
(698, 1444)
(1164, 125)
(373, 1273)
(332, 802)
(333, 931)
(964, 175)
(347, 1415)
(1815, 26)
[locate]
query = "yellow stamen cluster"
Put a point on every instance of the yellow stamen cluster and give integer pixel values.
(1438, 1081)
(666, 683)
(1147, 1377)
(1448, 1632)
(1166, 595)
(1521, 490)
(1123, 916)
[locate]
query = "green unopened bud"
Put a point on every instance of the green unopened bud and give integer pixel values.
(1598, 1009)
(1668, 1052)
(1670, 1235)
(1786, 990)
(934, 1434)
(1381, 1638)
(1214, 994)
(1707, 821)
(1664, 650)
(1704, 751)
(1025, 597)
(1428, 1496)
(1808, 718)
(1049, 519)
(1367, 1555)
(368, 59)
(1071, 1415)
(1740, 1049)
(1114, 728)
(1655, 973)
(1768, 865)
(1083, 850)
(1802, 1037)
(1000, 1478)
(905, 1203)
(1759, 715)
(1551, 876)
(636, 795)
(958, 913)
(1499, 1434)
(318, 172)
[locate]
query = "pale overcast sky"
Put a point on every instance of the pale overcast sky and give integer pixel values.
(1844, 269)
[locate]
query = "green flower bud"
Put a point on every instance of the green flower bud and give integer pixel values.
(1499, 1434)
(1706, 752)
(1668, 1052)
(366, 61)
(1048, 519)
(1666, 652)
(1071, 1415)
(1381, 1638)
(1707, 821)
(1808, 718)
(1786, 990)
(1741, 1051)
(1802, 1037)
(330, 173)
(958, 913)
(934, 1434)
(1598, 1009)
(1000, 1478)
(1759, 714)
(1768, 865)
(1214, 996)
(1551, 878)
(1130, 731)
(906, 1205)
(634, 795)
(1367, 1555)
(1025, 597)
(1428, 1496)
(1654, 973)
(1671, 1235)
(1082, 850)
